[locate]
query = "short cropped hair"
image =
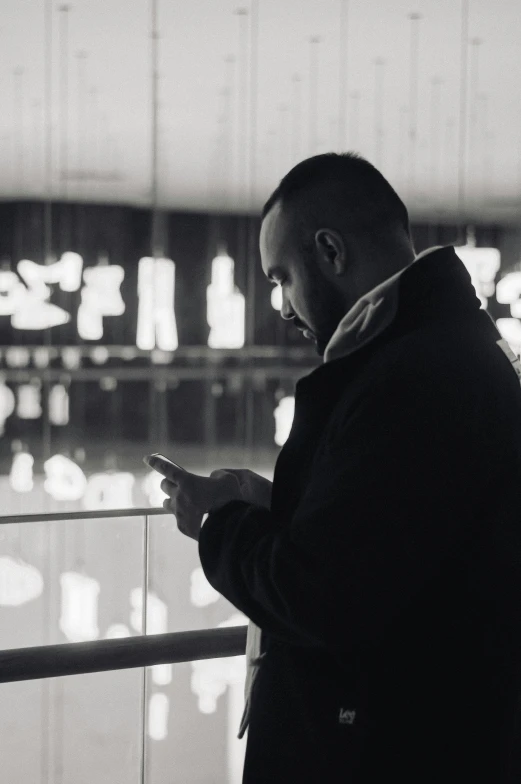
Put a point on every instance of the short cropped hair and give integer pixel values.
(346, 186)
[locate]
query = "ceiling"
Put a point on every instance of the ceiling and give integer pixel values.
(216, 147)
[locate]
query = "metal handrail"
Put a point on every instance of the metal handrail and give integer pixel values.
(79, 658)
(51, 517)
(52, 661)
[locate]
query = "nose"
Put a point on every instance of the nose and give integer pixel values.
(287, 314)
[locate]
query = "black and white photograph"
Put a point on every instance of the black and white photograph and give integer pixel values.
(260, 392)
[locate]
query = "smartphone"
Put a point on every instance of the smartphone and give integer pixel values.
(155, 461)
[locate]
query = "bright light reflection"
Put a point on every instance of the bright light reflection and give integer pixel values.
(19, 582)
(29, 401)
(99, 297)
(59, 405)
(79, 607)
(225, 306)
(284, 414)
(110, 490)
(158, 716)
(7, 404)
(21, 475)
(65, 480)
(276, 298)
(201, 592)
(156, 321)
(482, 265)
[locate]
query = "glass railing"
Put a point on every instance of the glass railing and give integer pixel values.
(118, 661)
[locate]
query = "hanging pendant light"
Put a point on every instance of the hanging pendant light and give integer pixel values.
(65, 480)
(483, 264)
(21, 478)
(7, 404)
(225, 306)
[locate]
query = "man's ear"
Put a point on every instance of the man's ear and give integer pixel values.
(331, 250)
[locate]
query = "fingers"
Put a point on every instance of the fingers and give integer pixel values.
(170, 471)
(167, 486)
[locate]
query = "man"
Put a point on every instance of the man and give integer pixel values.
(385, 570)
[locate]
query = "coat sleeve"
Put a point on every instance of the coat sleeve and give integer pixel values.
(390, 501)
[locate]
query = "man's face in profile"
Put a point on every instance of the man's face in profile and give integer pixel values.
(308, 297)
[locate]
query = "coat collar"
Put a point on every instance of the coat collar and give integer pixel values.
(435, 271)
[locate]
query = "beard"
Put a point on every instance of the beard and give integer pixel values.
(328, 310)
(321, 346)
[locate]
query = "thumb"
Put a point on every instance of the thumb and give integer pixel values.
(227, 473)
(220, 473)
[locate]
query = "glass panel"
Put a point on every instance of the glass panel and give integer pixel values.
(204, 699)
(181, 597)
(69, 581)
(75, 730)
(91, 588)
(201, 745)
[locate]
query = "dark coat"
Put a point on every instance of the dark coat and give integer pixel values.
(387, 576)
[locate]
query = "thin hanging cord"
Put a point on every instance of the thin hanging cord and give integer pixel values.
(61, 552)
(254, 89)
(355, 120)
(219, 166)
(379, 65)
(413, 103)
(283, 138)
(342, 77)
(93, 126)
(484, 145)
(64, 97)
(251, 254)
(47, 210)
(214, 187)
(228, 157)
(519, 163)
(314, 42)
(46, 425)
(402, 145)
(296, 114)
(81, 57)
(242, 221)
(473, 105)
(450, 149)
(462, 163)
(154, 35)
(18, 157)
(18, 74)
(488, 151)
(435, 117)
(36, 146)
(436, 83)
(242, 160)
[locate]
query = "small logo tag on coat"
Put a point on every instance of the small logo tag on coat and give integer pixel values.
(346, 716)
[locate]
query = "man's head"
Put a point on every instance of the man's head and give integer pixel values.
(331, 231)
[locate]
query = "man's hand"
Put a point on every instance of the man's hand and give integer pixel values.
(191, 496)
(254, 488)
